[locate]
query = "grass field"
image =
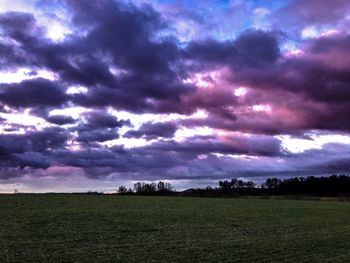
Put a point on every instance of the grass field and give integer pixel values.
(83, 228)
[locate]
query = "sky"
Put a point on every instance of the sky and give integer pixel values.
(95, 94)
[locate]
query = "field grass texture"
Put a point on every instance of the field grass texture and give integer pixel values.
(110, 228)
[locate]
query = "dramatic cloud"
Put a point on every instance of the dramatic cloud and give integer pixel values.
(253, 48)
(153, 131)
(101, 91)
(100, 119)
(60, 119)
(50, 138)
(31, 93)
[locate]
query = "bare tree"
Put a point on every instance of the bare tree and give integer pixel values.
(122, 189)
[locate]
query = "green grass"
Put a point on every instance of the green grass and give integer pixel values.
(78, 228)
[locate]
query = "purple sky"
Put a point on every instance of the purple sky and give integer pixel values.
(94, 94)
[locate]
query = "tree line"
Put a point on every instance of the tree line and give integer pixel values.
(316, 186)
(143, 188)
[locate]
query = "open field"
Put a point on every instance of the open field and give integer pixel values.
(83, 228)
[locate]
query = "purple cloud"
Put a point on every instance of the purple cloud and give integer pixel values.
(161, 91)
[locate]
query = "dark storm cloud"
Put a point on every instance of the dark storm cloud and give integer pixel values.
(314, 84)
(88, 71)
(153, 131)
(98, 126)
(31, 149)
(307, 77)
(151, 69)
(191, 159)
(341, 165)
(333, 158)
(49, 138)
(257, 47)
(18, 25)
(70, 59)
(134, 26)
(44, 112)
(31, 93)
(99, 135)
(163, 159)
(320, 80)
(42, 149)
(19, 34)
(90, 158)
(32, 159)
(9, 57)
(148, 64)
(253, 48)
(250, 145)
(101, 119)
(60, 119)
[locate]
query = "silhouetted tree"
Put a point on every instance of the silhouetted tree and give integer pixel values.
(163, 187)
(209, 189)
(144, 188)
(224, 186)
(149, 188)
(319, 186)
(272, 183)
(138, 187)
(122, 189)
(233, 182)
(250, 184)
(240, 184)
